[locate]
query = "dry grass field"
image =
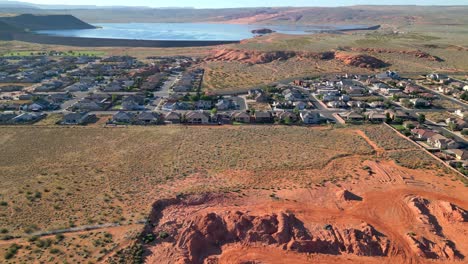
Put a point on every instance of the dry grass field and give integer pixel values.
(54, 178)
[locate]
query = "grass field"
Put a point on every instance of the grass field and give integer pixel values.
(70, 53)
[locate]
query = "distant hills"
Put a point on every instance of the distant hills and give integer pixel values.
(353, 15)
(19, 4)
(29, 22)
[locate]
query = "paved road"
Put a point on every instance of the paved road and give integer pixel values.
(164, 92)
(450, 98)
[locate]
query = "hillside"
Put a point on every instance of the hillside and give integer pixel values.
(45, 22)
(268, 15)
(4, 27)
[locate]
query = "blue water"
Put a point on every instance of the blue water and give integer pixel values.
(177, 31)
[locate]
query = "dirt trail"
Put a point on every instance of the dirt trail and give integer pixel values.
(379, 151)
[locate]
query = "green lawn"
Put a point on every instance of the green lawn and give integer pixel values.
(66, 53)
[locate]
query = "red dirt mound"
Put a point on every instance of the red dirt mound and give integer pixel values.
(453, 213)
(259, 57)
(360, 60)
(204, 234)
(416, 53)
(345, 195)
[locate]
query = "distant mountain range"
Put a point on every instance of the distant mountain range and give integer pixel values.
(28, 22)
(19, 4)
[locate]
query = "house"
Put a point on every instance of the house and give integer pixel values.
(263, 117)
(76, 118)
(355, 91)
(441, 78)
(388, 75)
(58, 97)
(203, 105)
(287, 116)
(133, 102)
(197, 117)
(410, 124)
(422, 134)
(309, 118)
(5, 117)
(398, 114)
(241, 117)
(413, 89)
(147, 118)
(221, 118)
(419, 102)
(441, 142)
(461, 113)
(300, 105)
(446, 90)
(336, 104)
(87, 105)
(352, 116)
(376, 117)
(377, 104)
(223, 104)
(123, 117)
(262, 98)
(27, 117)
(357, 104)
(172, 117)
(460, 154)
(459, 123)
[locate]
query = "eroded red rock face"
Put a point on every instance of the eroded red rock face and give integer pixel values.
(360, 60)
(453, 213)
(431, 214)
(259, 57)
(205, 234)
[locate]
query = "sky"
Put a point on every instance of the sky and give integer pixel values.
(246, 3)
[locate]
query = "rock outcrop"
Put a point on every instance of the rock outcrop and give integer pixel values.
(429, 213)
(260, 57)
(262, 31)
(416, 53)
(205, 234)
(428, 249)
(453, 213)
(360, 60)
(345, 195)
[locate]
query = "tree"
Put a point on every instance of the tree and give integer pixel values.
(452, 126)
(296, 111)
(252, 111)
(214, 111)
(388, 118)
(421, 118)
(464, 96)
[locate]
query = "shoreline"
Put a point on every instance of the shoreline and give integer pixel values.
(108, 42)
(111, 42)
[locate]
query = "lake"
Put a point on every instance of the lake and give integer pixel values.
(181, 31)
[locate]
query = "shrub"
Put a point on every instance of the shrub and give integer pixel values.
(12, 250)
(163, 235)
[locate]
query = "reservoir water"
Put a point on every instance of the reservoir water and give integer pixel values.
(182, 31)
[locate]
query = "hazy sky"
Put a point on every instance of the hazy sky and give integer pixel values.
(247, 3)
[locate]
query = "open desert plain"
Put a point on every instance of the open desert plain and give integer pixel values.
(257, 194)
(342, 146)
